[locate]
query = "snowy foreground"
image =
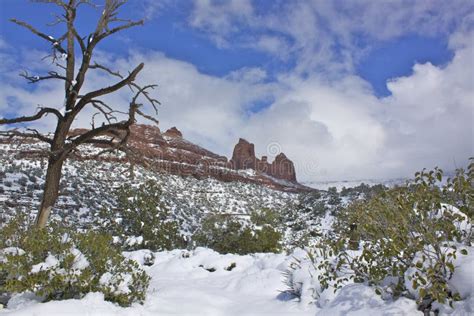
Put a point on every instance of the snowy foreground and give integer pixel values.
(203, 282)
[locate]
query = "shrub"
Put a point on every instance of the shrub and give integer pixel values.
(142, 220)
(404, 241)
(299, 278)
(265, 217)
(311, 203)
(58, 263)
(459, 191)
(23, 181)
(226, 234)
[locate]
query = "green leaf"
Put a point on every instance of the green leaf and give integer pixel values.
(422, 293)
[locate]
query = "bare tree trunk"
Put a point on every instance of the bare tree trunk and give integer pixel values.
(131, 170)
(51, 191)
(75, 102)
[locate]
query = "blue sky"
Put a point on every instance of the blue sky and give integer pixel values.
(168, 32)
(264, 54)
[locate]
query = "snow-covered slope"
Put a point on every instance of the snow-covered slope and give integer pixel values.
(182, 284)
(89, 185)
(201, 281)
(205, 283)
(339, 185)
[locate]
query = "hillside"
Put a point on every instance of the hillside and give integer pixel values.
(200, 281)
(89, 185)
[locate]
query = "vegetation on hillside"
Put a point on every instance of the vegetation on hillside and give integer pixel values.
(402, 241)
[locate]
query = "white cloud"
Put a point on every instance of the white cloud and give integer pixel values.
(217, 15)
(248, 74)
(325, 34)
(3, 44)
(274, 45)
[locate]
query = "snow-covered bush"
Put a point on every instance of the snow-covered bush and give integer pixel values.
(142, 220)
(299, 277)
(404, 241)
(59, 263)
(226, 234)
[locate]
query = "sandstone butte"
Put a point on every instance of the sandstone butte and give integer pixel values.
(169, 152)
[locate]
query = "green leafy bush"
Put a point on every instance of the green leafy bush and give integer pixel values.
(404, 240)
(334, 197)
(459, 191)
(226, 234)
(59, 263)
(142, 220)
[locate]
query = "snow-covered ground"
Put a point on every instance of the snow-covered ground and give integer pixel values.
(324, 185)
(182, 284)
(203, 282)
(340, 184)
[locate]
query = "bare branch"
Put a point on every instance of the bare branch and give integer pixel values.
(35, 117)
(104, 130)
(57, 2)
(118, 142)
(148, 117)
(117, 145)
(34, 134)
(105, 105)
(59, 19)
(110, 15)
(120, 28)
(108, 113)
(88, 2)
(145, 93)
(91, 135)
(40, 136)
(56, 43)
(107, 90)
(106, 69)
(34, 79)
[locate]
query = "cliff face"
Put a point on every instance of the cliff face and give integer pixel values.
(173, 133)
(244, 157)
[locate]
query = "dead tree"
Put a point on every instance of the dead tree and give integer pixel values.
(73, 55)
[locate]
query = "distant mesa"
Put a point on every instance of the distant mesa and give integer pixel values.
(170, 152)
(244, 157)
(177, 155)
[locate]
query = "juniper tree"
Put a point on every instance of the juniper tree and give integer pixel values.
(73, 54)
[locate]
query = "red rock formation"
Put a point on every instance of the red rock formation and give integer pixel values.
(170, 152)
(283, 168)
(146, 134)
(173, 133)
(244, 157)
